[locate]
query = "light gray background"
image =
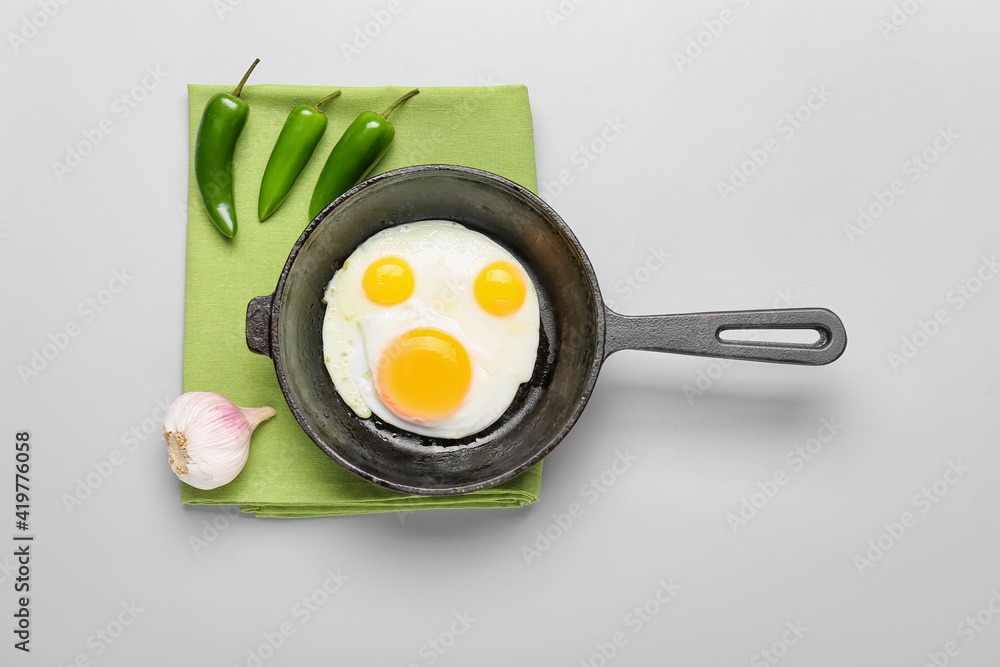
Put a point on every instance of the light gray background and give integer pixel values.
(696, 456)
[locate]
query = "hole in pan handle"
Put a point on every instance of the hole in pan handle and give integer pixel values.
(700, 334)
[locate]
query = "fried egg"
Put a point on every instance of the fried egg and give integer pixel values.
(432, 327)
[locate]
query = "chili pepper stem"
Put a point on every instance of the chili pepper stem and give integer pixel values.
(385, 114)
(326, 99)
(239, 88)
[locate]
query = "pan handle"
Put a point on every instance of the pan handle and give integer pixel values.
(700, 334)
(259, 324)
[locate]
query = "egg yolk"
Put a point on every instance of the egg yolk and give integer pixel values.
(500, 288)
(425, 374)
(388, 281)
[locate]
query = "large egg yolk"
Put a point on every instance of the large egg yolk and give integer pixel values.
(388, 281)
(425, 374)
(500, 288)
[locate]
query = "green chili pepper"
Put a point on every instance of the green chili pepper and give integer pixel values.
(362, 145)
(221, 124)
(299, 137)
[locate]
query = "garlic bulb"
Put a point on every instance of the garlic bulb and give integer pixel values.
(208, 437)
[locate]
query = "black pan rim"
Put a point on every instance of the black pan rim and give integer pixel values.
(584, 394)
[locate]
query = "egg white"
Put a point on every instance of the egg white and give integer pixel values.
(445, 258)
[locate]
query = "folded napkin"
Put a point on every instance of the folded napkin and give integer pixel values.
(287, 475)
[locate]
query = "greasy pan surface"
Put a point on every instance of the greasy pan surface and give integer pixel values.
(571, 337)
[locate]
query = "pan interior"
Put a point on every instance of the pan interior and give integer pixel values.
(544, 408)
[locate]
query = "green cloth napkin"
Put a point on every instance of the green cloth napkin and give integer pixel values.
(287, 475)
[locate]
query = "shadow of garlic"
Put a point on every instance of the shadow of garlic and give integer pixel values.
(208, 437)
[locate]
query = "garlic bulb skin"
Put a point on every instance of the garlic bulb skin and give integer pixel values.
(208, 437)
